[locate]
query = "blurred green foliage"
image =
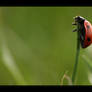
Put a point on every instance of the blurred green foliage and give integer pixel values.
(37, 45)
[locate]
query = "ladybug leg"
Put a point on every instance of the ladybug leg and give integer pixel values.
(74, 30)
(74, 23)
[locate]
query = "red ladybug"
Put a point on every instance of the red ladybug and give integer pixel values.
(85, 29)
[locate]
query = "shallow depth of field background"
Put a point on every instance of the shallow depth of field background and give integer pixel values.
(37, 45)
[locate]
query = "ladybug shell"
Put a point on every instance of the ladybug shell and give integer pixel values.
(88, 34)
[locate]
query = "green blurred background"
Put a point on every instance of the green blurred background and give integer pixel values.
(37, 45)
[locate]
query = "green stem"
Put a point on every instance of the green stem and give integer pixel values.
(76, 59)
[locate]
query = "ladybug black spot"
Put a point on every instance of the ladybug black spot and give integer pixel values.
(88, 26)
(88, 39)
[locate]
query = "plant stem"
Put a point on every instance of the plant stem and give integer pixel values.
(76, 59)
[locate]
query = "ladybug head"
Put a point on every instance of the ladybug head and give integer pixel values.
(79, 19)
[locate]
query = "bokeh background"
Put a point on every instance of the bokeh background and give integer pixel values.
(37, 46)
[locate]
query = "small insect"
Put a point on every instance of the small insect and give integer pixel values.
(85, 29)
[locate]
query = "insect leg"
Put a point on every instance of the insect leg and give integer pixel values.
(74, 30)
(74, 23)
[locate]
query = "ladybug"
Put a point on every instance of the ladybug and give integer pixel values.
(85, 30)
